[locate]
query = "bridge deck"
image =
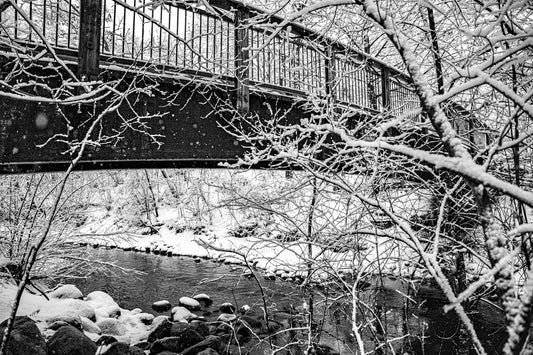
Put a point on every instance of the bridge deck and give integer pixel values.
(229, 44)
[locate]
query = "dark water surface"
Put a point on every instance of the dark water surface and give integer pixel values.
(419, 325)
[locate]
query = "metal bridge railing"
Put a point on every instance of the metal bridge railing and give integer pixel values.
(177, 36)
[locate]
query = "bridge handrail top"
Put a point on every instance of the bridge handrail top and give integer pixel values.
(229, 5)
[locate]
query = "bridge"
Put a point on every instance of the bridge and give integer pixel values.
(205, 64)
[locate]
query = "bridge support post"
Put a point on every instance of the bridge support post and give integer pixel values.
(89, 43)
(242, 57)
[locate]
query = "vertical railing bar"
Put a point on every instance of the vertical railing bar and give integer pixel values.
(16, 24)
(268, 55)
(353, 95)
(206, 59)
(263, 71)
(31, 17)
(57, 23)
(284, 64)
(228, 52)
(185, 15)
(44, 18)
(280, 58)
(274, 58)
(160, 34)
(221, 68)
(114, 28)
(142, 34)
(193, 39)
(152, 36)
(123, 31)
(214, 37)
(134, 18)
(168, 34)
(200, 50)
(177, 35)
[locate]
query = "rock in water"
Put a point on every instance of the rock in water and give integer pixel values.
(25, 338)
(161, 306)
(204, 299)
(69, 340)
(227, 308)
(66, 291)
(190, 303)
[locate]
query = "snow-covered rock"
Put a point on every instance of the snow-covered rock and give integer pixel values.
(104, 304)
(66, 291)
(66, 310)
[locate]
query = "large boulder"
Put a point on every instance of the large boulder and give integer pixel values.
(160, 329)
(25, 338)
(214, 342)
(69, 340)
(177, 344)
(189, 303)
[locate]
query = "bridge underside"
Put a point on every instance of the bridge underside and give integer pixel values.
(188, 125)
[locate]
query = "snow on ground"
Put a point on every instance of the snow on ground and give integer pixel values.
(28, 305)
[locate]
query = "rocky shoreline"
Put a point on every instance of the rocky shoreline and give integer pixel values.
(280, 272)
(71, 323)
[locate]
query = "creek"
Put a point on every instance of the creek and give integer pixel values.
(417, 322)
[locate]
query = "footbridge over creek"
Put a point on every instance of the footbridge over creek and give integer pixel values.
(204, 65)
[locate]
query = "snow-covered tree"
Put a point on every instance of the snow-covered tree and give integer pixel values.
(465, 140)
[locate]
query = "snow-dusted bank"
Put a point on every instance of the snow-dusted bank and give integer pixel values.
(69, 322)
(287, 260)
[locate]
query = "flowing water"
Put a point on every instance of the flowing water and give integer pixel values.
(417, 323)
